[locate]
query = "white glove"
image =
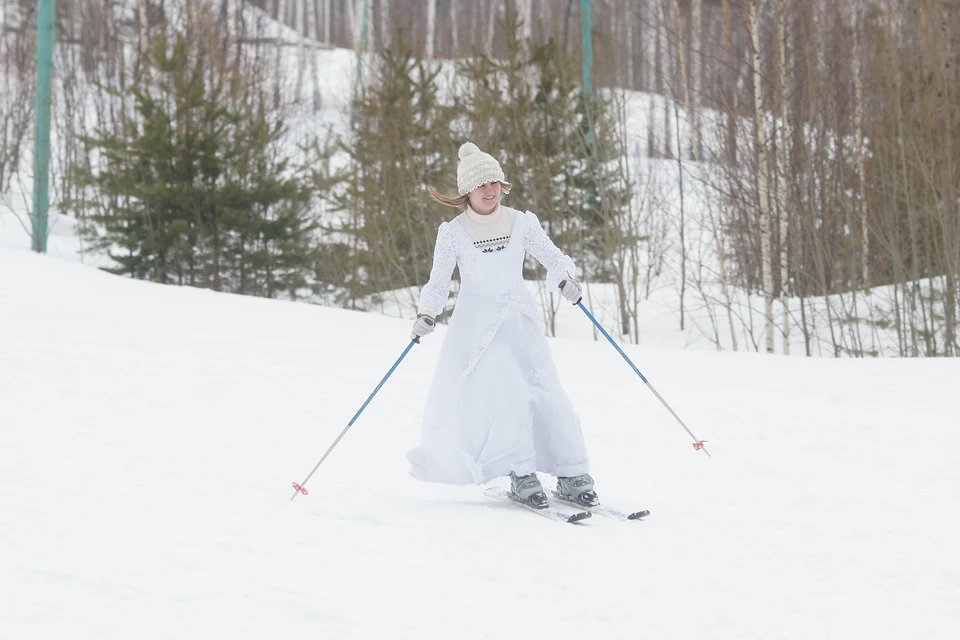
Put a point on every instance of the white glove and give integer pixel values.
(421, 327)
(570, 289)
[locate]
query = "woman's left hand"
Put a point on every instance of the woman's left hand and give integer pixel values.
(422, 326)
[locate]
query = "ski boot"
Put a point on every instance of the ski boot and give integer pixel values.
(528, 490)
(578, 489)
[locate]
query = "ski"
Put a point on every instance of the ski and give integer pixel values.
(600, 509)
(551, 512)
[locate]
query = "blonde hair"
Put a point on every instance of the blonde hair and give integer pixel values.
(460, 202)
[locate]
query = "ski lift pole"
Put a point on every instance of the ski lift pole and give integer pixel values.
(46, 34)
(697, 443)
(299, 486)
(359, 48)
(586, 63)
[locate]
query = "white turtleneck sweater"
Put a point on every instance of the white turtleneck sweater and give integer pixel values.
(489, 232)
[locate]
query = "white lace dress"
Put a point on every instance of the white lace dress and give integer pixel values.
(496, 404)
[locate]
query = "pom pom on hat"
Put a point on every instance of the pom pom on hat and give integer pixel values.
(466, 149)
(476, 168)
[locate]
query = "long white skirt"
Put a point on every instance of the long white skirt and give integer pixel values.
(496, 404)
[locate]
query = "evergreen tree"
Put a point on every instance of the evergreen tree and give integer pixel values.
(400, 145)
(528, 108)
(192, 186)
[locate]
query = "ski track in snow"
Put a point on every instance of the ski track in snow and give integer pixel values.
(150, 435)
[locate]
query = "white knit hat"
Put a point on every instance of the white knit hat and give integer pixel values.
(476, 168)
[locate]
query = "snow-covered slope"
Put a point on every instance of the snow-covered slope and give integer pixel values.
(149, 437)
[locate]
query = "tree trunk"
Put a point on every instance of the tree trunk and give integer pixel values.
(733, 66)
(760, 147)
(431, 26)
(683, 220)
(326, 21)
(526, 14)
(649, 39)
(385, 35)
(369, 41)
(696, 70)
(353, 20)
(311, 29)
(301, 58)
(144, 29)
(666, 68)
(491, 24)
(453, 29)
(683, 77)
(950, 215)
(861, 160)
(784, 221)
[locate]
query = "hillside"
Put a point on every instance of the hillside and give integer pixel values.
(150, 435)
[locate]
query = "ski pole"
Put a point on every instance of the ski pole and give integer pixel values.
(697, 443)
(298, 487)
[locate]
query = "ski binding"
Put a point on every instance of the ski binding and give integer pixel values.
(550, 512)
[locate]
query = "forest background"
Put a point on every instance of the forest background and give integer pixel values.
(771, 172)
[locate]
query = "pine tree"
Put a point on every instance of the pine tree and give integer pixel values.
(400, 145)
(192, 186)
(557, 145)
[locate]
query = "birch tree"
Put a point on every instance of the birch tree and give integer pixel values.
(733, 66)
(367, 27)
(628, 18)
(144, 28)
(696, 70)
(526, 9)
(664, 72)
(431, 26)
(858, 126)
(326, 21)
(784, 220)
(760, 147)
(650, 40)
(454, 29)
(491, 24)
(354, 7)
(312, 26)
(385, 35)
(301, 57)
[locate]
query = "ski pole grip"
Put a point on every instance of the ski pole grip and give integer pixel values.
(430, 323)
(563, 282)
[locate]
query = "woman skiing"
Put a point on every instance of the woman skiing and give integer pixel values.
(496, 406)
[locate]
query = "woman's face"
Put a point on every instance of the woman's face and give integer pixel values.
(485, 198)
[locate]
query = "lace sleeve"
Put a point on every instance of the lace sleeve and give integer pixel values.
(541, 247)
(433, 296)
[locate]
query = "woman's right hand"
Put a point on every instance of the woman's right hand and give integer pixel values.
(571, 290)
(422, 326)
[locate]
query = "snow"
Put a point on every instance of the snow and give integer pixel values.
(150, 435)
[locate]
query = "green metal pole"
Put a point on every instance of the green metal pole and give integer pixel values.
(46, 16)
(363, 43)
(586, 43)
(587, 46)
(359, 51)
